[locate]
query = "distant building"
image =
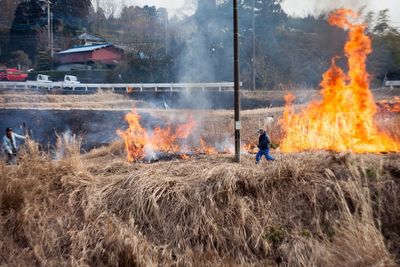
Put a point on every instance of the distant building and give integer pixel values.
(88, 57)
(90, 39)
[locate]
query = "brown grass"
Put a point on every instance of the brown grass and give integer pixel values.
(106, 99)
(308, 209)
(100, 100)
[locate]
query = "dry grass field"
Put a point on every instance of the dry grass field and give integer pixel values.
(306, 209)
(65, 208)
(109, 100)
(34, 100)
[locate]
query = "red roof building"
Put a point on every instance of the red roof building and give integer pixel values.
(84, 57)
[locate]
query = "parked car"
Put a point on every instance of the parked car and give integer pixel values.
(12, 75)
(43, 81)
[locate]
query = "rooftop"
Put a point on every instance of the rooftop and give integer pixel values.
(85, 48)
(90, 37)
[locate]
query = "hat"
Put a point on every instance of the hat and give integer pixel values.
(260, 130)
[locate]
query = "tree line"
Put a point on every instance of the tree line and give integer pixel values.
(290, 52)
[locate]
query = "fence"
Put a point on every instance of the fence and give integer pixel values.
(129, 88)
(392, 84)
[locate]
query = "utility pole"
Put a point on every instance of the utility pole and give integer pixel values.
(253, 71)
(166, 31)
(50, 28)
(51, 35)
(97, 15)
(48, 24)
(237, 79)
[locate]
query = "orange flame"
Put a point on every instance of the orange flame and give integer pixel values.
(138, 142)
(135, 137)
(250, 148)
(204, 148)
(141, 144)
(391, 106)
(344, 119)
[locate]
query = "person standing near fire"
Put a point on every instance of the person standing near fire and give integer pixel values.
(10, 145)
(263, 145)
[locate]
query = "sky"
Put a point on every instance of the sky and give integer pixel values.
(292, 7)
(304, 7)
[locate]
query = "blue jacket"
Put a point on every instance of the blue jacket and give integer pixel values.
(263, 141)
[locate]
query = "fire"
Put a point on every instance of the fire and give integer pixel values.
(391, 106)
(205, 149)
(251, 148)
(177, 141)
(139, 143)
(135, 137)
(344, 119)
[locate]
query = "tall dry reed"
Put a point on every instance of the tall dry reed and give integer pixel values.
(306, 209)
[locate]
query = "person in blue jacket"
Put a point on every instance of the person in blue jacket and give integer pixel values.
(263, 145)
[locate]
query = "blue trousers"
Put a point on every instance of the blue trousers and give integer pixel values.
(264, 152)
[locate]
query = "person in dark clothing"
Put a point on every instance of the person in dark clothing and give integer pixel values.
(263, 145)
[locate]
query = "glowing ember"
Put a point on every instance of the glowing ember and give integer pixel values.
(391, 106)
(344, 119)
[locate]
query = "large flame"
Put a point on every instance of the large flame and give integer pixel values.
(344, 119)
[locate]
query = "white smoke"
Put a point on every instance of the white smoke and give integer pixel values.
(315, 7)
(149, 153)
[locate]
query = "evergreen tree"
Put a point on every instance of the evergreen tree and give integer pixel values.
(73, 15)
(43, 61)
(385, 57)
(30, 16)
(382, 24)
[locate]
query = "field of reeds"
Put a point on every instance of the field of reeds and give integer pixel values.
(104, 99)
(306, 209)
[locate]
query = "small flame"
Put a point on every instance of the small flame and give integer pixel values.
(391, 106)
(250, 148)
(344, 119)
(184, 156)
(135, 137)
(205, 149)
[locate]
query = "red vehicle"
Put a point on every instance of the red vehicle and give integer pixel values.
(12, 75)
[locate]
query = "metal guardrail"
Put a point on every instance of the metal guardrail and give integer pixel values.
(392, 84)
(128, 87)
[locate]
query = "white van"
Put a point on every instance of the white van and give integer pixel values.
(41, 78)
(69, 79)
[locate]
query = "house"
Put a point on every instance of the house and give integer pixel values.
(90, 39)
(88, 56)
